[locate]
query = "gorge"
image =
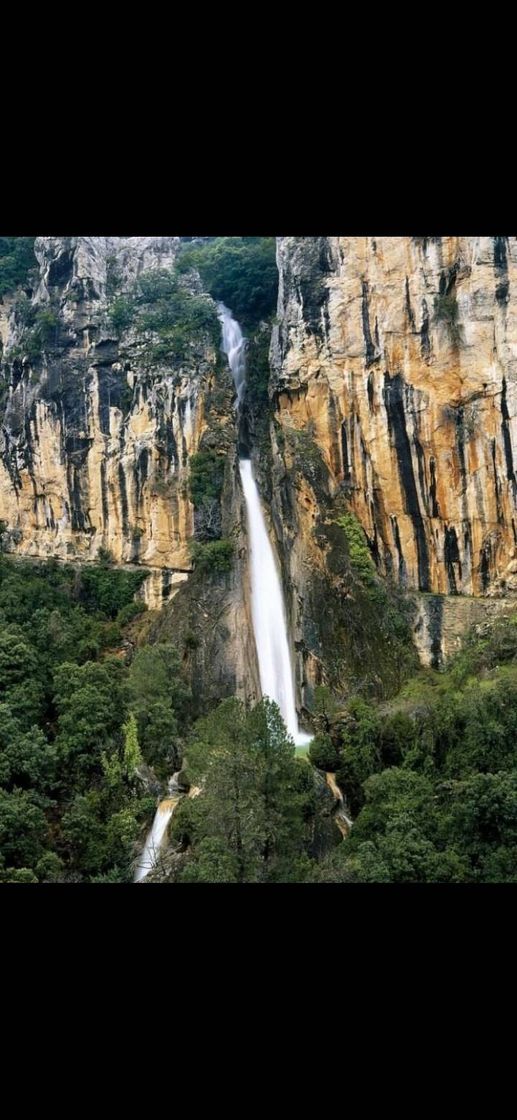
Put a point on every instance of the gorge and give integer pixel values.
(310, 497)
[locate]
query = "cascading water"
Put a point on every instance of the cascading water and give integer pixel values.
(267, 603)
(342, 819)
(233, 347)
(156, 835)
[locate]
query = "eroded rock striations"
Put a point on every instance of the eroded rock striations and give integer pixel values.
(399, 355)
(93, 449)
(393, 394)
(98, 430)
(394, 384)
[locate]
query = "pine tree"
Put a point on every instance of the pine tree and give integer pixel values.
(132, 752)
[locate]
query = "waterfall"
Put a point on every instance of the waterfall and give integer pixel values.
(342, 819)
(267, 603)
(156, 835)
(233, 347)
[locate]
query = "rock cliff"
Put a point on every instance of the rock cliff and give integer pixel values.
(399, 356)
(97, 433)
(394, 394)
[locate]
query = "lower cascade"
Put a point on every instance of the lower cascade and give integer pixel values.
(156, 835)
(267, 603)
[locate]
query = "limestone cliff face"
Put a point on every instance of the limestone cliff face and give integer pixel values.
(399, 357)
(96, 438)
(94, 445)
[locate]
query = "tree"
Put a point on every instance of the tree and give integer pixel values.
(17, 659)
(360, 753)
(91, 702)
(26, 758)
(240, 271)
(286, 797)
(159, 698)
(23, 829)
(323, 753)
(132, 753)
(228, 812)
(256, 800)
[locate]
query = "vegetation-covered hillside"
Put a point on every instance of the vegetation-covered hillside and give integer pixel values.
(76, 721)
(431, 776)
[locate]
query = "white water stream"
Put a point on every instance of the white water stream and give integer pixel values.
(267, 608)
(156, 835)
(267, 602)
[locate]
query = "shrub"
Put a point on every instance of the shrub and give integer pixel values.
(206, 476)
(360, 555)
(322, 753)
(214, 556)
(121, 313)
(239, 271)
(160, 306)
(105, 556)
(130, 611)
(16, 261)
(47, 324)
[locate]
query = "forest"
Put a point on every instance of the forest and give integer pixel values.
(430, 776)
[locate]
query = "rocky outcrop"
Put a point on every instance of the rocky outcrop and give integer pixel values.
(95, 443)
(210, 617)
(399, 356)
(96, 440)
(394, 394)
(441, 622)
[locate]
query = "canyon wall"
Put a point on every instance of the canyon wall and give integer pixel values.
(394, 393)
(97, 434)
(94, 445)
(399, 356)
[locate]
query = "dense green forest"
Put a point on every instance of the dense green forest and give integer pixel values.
(77, 721)
(431, 776)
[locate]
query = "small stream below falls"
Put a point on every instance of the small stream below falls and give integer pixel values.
(156, 835)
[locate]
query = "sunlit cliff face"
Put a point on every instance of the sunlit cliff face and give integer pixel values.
(399, 356)
(94, 446)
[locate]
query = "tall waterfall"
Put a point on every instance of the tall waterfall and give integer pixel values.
(267, 603)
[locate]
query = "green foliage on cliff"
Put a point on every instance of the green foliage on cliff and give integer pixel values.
(76, 721)
(16, 261)
(175, 321)
(39, 330)
(359, 553)
(446, 311)
(159, 700)
(241, 272)
(431, 777)
(363, 621)
(206, 477)
(212, 556)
